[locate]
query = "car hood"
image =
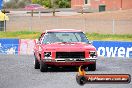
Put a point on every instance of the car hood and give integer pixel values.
(68, 47)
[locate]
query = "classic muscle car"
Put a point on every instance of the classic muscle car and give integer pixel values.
(64, 48)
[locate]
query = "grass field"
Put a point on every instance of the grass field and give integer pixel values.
(93, 36)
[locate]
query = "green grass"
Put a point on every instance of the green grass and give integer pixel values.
(93, 36)
(110, 37)
(20, 35)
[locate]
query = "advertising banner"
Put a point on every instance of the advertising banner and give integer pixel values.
(9, 46)
(104, 48)
(26, 46)
(114, 49)
(1, 2)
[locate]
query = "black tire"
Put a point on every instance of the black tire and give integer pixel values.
(36, 64)
(92, 67)
(43, 67)
(81, 80)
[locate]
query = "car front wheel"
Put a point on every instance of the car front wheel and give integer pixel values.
(36, 64)
(43, 67)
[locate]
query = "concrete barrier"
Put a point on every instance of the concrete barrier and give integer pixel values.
(104, 48)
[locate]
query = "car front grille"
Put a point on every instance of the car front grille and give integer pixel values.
(70, 54)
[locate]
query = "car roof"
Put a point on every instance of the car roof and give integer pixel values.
(63, 30)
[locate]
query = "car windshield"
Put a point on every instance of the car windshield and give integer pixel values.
(64, 37)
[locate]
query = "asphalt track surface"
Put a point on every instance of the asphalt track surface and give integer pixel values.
(18, 72)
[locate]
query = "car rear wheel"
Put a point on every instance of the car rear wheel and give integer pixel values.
(43, 67)
(92, 67)
(36, 64)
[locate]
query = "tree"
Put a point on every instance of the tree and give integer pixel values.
(63, 3)
(54, 6)
(53, 3)
(46, 3)
(16, 3)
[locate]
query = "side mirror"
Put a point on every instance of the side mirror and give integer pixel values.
(37, 41)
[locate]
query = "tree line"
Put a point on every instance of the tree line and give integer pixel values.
(51, 3)
(45, 3)
(16, 3)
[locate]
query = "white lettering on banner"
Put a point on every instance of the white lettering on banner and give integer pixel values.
(114, 51)
(7, 50)
(128, 52)
(121, 52)
(11, 50)
(111, 52)
(99, 51)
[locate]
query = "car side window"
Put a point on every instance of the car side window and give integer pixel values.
(48, 38)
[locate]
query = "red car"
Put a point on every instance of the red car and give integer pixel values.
(64, 48)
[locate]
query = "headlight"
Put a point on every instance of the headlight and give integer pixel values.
(92, 54)
(47, 55)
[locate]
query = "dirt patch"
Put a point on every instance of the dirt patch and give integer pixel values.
(108, 15)
(89, 22)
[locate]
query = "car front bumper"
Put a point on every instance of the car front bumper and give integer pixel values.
(70, 62)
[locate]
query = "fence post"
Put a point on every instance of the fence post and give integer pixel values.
(113, 26)
(31, 19)
(4, 25)
(39, 14)
(84, 23)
